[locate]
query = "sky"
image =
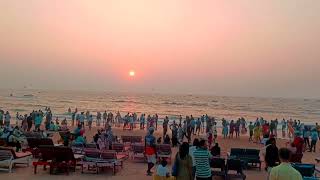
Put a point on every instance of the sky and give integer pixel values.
(235, 48)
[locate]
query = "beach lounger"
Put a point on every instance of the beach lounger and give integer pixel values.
(77, 148)
(16, 157)
(34, 143)
(126, 140)
(91, 157)
(6, 160)
(138, 151)
(46, 157)
(136, 139)
(120, 149)
(234, 165)
(250, 157)
(91, 145)
(218, 166)
(107, 160)
(306, 170)
(32, 135)
(63, 160)
(111, 159)
(164, 151)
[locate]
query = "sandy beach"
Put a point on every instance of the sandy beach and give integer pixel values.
(137, 170)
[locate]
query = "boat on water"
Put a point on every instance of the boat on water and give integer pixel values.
(28, 95)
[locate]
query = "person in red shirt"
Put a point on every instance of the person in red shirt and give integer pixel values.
(266, 130)
(299, 144)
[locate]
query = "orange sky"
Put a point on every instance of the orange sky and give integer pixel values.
(241, 48)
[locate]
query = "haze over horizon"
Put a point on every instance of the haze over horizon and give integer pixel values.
(242, 48)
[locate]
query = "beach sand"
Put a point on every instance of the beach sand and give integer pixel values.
(137, 170)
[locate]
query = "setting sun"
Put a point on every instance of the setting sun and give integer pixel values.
(132, 73)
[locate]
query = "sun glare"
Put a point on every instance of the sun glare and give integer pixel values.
(132, 73)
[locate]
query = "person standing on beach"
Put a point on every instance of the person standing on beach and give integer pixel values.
(314, 139)
(283, 127)
(165, 126)
(29, 121)
(193, 126)
(156, 118)
(7, 118)
(232, 127)
(37, 122)
(272, 128)
(73, 116)
(48, 119)
(90, 119)
(237, 128)
(104, 116)
(257, 133)
(150, 145)
(225, 129)
(251, 127)
(192, 149)
(1, 117)
(306, 135)
(284, 171)
(183, 163)
(98, 118)
(271, 157)
(174, 132)
(198, 126)
(318, 129)
(142, 121)
(201, 157)
(202, 122)
(81, 119)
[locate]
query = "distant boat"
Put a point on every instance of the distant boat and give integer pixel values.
(28, 95)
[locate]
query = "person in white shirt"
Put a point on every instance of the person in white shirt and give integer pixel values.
(162, 169)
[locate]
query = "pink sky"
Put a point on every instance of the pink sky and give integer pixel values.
(240, 48)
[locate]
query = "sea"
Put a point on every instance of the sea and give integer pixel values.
(171, 105)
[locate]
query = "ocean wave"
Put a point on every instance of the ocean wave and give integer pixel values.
(125, 101)
(173, 103)
(199, 104)
(66, 101)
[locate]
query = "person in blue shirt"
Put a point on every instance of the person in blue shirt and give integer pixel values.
(76, 131)
(306, 135)
(38, 121)
(314, 139)
(198, 126)
(193, 126)
(90, 119)
(142, 121)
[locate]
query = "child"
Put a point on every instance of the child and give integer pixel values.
(162, 169)
(215, 134)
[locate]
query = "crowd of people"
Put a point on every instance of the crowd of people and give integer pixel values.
(191, 161)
